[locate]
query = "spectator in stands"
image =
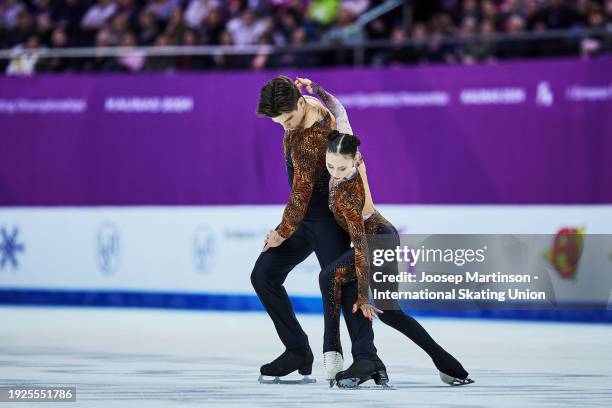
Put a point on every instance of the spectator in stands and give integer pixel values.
(147, 28)
(559, 15)
(100, 62)
(490, 13)
(98, 14)
(198, 10)
(467, 53)
(161, 63)
(68, 15)
(377, 30)
(600, 18)
(443, 23)
(213, 27)
(133, 60)
(401, 53)
(176, 28)
(117, 27)
(470, 10)
(339, 34)
(355, 7)
(246, 29)
(511, 47)
(229, 61)
(287, 23)
(163, 8)
(323, 12)
(130, 10)
(596, 17)
(193, 62)
(23, 30)
(532, 14)
(40, 8)
(25, 58)
(44, 28)
(9, 12)
(59, 39)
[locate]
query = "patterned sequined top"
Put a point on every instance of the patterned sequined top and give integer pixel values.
(343, 125)
(346, 201)
(304, 151)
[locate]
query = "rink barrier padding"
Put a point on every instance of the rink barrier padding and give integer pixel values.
(250, 303)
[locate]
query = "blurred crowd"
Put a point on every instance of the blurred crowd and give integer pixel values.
(429, 35)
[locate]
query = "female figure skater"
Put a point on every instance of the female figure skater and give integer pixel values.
(348, 197)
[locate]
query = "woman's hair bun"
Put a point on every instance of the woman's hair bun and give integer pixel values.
(333, 135)
(352, 140)
(342, 143)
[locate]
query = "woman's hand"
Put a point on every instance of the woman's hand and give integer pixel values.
(300, 82)
(360, 163)
(359, 160)
(369, 310)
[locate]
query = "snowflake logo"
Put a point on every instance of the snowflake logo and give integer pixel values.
(9, 247)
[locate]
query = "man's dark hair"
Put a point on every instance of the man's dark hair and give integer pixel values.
(279, 95)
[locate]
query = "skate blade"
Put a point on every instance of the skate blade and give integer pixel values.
(278, 380)
(383, 384)
(381, 387)
(457, 382)
(349, 383)
(453, 381)
(357, 384)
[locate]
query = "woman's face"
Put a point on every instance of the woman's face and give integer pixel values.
(339, 165)
(291, 120)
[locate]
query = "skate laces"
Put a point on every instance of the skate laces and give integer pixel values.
(332, 363)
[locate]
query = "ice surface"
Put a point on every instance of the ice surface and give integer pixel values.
(154, 358)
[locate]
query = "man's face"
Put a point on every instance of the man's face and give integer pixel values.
(293, 119)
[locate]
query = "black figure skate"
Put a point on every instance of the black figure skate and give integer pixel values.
(361, 371)
(285, 364)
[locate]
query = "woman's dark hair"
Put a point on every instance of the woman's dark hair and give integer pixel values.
(279, 95)
(342, 143)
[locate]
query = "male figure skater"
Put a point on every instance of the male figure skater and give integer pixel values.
(307, 225)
